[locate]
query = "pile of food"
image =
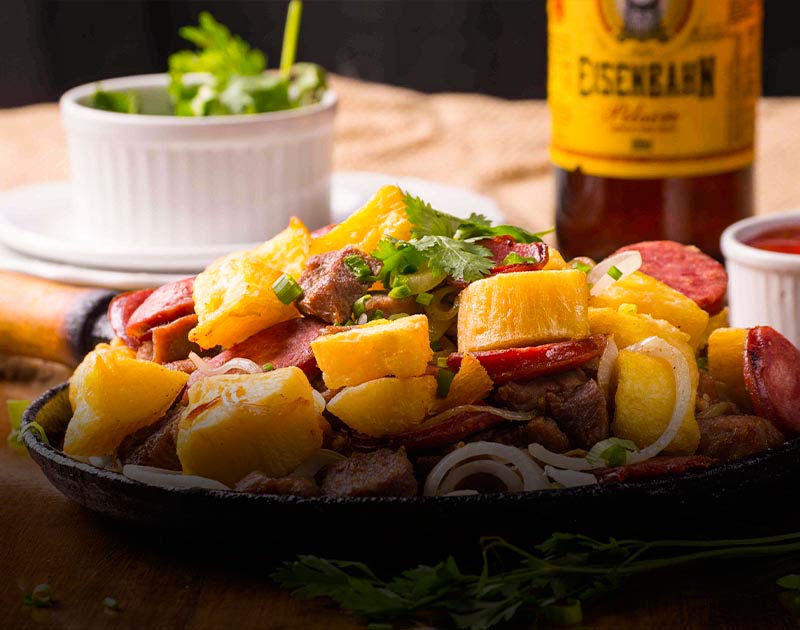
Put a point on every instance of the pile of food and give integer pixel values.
(405, 351)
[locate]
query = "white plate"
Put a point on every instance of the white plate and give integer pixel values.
(31, 220)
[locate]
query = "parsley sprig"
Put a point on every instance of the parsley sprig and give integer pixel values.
(552, 579)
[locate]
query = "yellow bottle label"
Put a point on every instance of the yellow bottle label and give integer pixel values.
(653, 88)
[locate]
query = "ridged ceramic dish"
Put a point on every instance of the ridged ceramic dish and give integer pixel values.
(751, 496)
(763, 286)
(159, 180)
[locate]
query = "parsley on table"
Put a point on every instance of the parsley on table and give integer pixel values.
(552, 580)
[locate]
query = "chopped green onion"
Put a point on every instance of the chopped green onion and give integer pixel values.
(436, 346)
(111, 604)
(377, 314)
(444, 378)
(290, 32)
(41, 597)
(398, 293)
(349, 322)
(425, 298)
(361, 270)
(566, 614)
(702, 363)
(395, 316)
(614, 272)
(515, 259)
(441, 362)
(581, 266)
(33, 427)
(612, 452)
(268, 367)
(360, 306)
(286, 289)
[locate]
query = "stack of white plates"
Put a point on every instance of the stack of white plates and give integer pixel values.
(33, 239)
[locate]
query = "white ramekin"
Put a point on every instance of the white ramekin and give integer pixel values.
(154, 181)
(763, 286)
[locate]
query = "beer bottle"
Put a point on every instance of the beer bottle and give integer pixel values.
(652, 104)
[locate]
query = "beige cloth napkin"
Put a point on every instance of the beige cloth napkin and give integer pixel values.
(495, 146)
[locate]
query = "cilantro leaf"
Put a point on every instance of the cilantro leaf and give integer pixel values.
(459, 259)
(427, 221)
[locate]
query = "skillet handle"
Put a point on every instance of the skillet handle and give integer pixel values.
(49, 320)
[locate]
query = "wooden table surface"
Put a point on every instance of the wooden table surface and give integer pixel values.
(164, 581)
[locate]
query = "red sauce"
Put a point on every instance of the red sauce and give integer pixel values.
(785, 240)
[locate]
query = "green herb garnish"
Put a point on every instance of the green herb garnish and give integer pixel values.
(400, 292)
(110, 603)
(514, 258)
(444, 378)
(360, 306)
(33, 427)
(553, 580)
(15, 410)
(40, 597)
(424, 298)
(268, 367)
(611, 452)
(614, 272)
(581, 266)
(286, 289)
(122, 102)
(361, 270)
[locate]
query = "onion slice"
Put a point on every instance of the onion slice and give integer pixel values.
(625, 262)
(657, 347)
(238, 363)
(605, 368)
(566, 462)
(316, 462)
(570, 478)
(531, 474)
(507, 414)
(169, 478)
(510, 479)
(319, 401)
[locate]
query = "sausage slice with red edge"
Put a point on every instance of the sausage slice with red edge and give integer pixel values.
(772, 378)
(686, 269)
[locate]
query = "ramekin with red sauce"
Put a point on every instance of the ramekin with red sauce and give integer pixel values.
(762, 256)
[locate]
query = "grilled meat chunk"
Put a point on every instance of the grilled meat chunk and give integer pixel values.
(258, 483)
(381, 473)
(154, 445)
(330, 287)
(734, 437)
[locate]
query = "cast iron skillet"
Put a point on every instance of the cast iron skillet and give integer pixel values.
(753, 496)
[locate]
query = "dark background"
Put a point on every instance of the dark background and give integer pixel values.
(495, 47)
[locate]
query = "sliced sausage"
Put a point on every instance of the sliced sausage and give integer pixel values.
(686, 269)
(167, 303)
(655, 467)
(502, 246)
(522, 364)
(772, 378)
(283, 345)
(120, 310)
(733, 437)
(171, 341)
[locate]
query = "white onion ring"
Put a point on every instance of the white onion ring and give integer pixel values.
(532, 475)
(102, 461)
(316, 462)
(507, 414)
(510, 479)
(558, 460)
(657, 347)
(169, 478)
(570, 478)
(626, 262)
(461, 493)
(238, 363)
(605, 368)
